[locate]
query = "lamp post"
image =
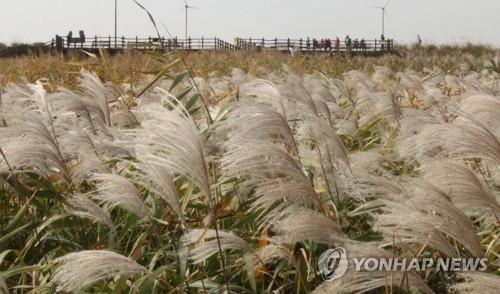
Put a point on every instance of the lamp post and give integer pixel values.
(116, 20)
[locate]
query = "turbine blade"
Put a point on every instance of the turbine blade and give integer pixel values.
(386, 14)
(386, 3)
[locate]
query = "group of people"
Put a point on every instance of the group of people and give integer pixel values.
(328, 45)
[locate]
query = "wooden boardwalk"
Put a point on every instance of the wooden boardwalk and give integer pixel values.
(70, 44)
(63, 44)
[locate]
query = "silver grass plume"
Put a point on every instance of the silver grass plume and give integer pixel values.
(86, 111)
(275, 176)
(315, 133)
(376, 279)
(476, 282)
(371, 107)
(484, 109)
(420, 137)
(264, 91)
(95, 90)
(469, 138)
(153, 174)
(82, 269)
(119, 191)
(363, 282)
(206, 243)
(28, 143)
(82, 206)
(173, 135)
(462, 185)
(302, 224)
(424, 215)
(254, 120)
(359, 80)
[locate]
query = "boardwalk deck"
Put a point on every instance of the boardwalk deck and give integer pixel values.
(64, 44)
(196, 44)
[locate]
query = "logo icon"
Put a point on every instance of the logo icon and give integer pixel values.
(332, 264)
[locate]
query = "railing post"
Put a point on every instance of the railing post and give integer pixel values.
(375, 49)
(109, 42)
(189, 42)
(149, 42)
(275, 43)
(123, 41)
(202, 45)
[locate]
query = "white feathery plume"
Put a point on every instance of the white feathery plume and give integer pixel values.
(204, 88)
(206, 243)
(95, 90)
(82, 269)
(468, 138)
(368, 282)
(119, 191)
(154, 175)
(239, 77)
(424, 215)
(254, 120)
(382, 74)
(264, 91)
(409, 78)
(86, 110)
(484, 109)
(420, 136)
(367, 162)
(364, 281)
(473, 84)
(463, 187)
(81, 205)
(269, 253)
(371, 106)
(476, 282)
(27, 143)
(304, 224)
(359, 80)
(172, 135)
(315, 131)
(277, 177)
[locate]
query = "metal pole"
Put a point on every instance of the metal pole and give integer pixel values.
(383, 17)
(186, 24)
(116, 21)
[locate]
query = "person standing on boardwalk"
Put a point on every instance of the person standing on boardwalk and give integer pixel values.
(328, 45)
(347, 42)
(337, 44)
(382, 41)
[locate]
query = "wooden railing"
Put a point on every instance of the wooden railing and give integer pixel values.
(308, 44)
(154, 43)
(149, 43)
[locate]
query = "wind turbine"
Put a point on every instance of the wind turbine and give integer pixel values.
(382, 8)
(187, 7)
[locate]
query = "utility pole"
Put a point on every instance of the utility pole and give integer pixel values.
(116, 21)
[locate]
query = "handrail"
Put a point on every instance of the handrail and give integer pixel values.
(162, 43)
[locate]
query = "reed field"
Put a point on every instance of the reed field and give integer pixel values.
(232, 172)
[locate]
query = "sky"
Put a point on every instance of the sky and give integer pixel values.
(436, 21)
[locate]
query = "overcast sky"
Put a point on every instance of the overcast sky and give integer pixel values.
(437, 21)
